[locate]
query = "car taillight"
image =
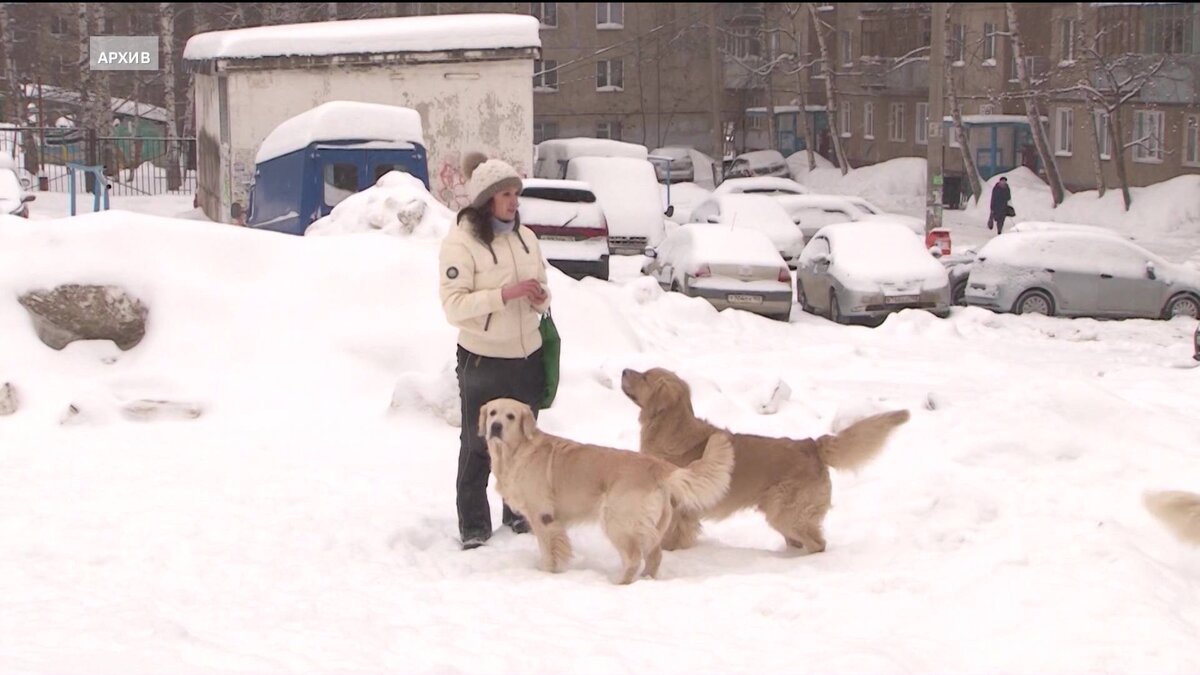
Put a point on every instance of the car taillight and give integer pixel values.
(586, 232)
(702, 271)
(784, 276)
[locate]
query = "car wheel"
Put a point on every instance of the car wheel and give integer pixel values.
(801, 297)
(1034, 302)
(958, 294)
(1182, 305)
(835, 310)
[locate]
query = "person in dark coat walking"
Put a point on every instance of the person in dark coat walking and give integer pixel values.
(998, 211)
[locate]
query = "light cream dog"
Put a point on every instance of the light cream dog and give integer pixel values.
(786, 479)
(1179, 511)
(555, 482)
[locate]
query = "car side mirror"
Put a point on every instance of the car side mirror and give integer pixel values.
(1151, 271)
(651, 253)
(670, 211)
(823, 259)
(713, 219)
(28, 198)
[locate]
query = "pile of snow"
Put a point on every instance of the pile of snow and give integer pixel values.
(369, 36)
(1167, 209)
(897, 185)
(342, 121)
(397, 204)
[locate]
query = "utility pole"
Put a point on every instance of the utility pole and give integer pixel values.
(937, 74)
(716, 78)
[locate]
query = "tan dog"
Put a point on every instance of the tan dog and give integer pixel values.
(786, 479)
(555, 482)
(1179, 511)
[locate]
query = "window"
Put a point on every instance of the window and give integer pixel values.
(958, 44)
(609, 130)
(987, 109)
(922, 123)
(139, 23)
(609, 76)
(844, 120)
(546, 13)
(1067, 35)
(610, 15)
(896, 122)
(874, 37)
(543, 131)
(545, 75)
(846, 47)
(743, 44)
(58, 25)
(757, 122)
(57, 64)
(382, 170)
(341, 181)
(1064, 127)
(1191, 140)
(1148, 136)
(989, 43)
(1170, 28)
(952, 134)
(1103, 134)
(869, 121)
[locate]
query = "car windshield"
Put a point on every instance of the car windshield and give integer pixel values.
(557, 194)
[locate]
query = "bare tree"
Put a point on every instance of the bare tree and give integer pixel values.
(964, 140)
(1097, 163)
(831, 98)
(13, 93)
(1033, 109)
(166, 31)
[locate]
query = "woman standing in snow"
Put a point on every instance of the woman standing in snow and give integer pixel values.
(493, 289)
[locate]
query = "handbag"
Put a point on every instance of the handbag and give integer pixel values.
(551, 351)
(1010, 211)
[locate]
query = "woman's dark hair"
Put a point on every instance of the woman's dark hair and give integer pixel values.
(481, 223)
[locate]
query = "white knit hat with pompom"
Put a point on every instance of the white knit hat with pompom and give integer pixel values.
(486, 177)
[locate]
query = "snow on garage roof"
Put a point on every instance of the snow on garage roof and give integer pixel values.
(342, 121)
(368, 36)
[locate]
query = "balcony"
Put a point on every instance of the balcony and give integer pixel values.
(910, 78)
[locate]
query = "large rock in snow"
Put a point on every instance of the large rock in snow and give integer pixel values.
(75, 312)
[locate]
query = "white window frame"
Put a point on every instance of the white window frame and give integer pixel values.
(1066, 33)
(607, 128)
(1064, 132)
(989, 44)
(605, 73)
(545, 76)
(1191, 140)
(869, 121)
(1150, 152)
(604, 15)
(922, 129)
(544, 125)
(952, 135)
(959, 45)
(844, 121)
(846, 47)
(538, 9)
(896, 122)
(1105, 134)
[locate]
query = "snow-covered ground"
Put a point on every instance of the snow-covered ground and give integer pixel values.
(305, 522)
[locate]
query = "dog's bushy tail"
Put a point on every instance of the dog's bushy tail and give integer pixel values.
(1179, 511)
(859, 443)
(704, 482)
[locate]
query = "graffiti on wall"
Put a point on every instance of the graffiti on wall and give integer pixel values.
(450, 186)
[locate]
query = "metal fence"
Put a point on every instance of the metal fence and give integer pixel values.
(134, 165)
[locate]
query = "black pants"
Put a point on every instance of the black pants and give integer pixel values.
(482, 379)
(997, 217)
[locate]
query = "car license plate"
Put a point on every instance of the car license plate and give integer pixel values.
(901, 299)
(556, 237)
(746, 299)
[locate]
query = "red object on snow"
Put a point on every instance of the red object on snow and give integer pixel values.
(939, 237)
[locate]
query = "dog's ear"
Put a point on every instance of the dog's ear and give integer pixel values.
(667, 392)
(482, 428)
(528, 424)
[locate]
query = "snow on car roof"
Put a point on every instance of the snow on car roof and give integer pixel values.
(369, 36)
(878, 248)
(569, 148)
(718, 245)
(342, 121)
(559, 183)
(761, 183)
(762, 157)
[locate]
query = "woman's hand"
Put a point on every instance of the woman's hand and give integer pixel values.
(530, 288)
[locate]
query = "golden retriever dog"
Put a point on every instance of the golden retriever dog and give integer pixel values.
(555, 482)
(787, 480)
(1179, 511)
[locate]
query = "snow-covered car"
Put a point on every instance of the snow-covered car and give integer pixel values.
(14, 200)
(812, 212)
(756, 212)
(1072, 272)
(675, 162)
(771, 186)
(1196, 343)
(728, 267)
(867, 270)
(627, 190)
(569, 223)
(758, 163)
